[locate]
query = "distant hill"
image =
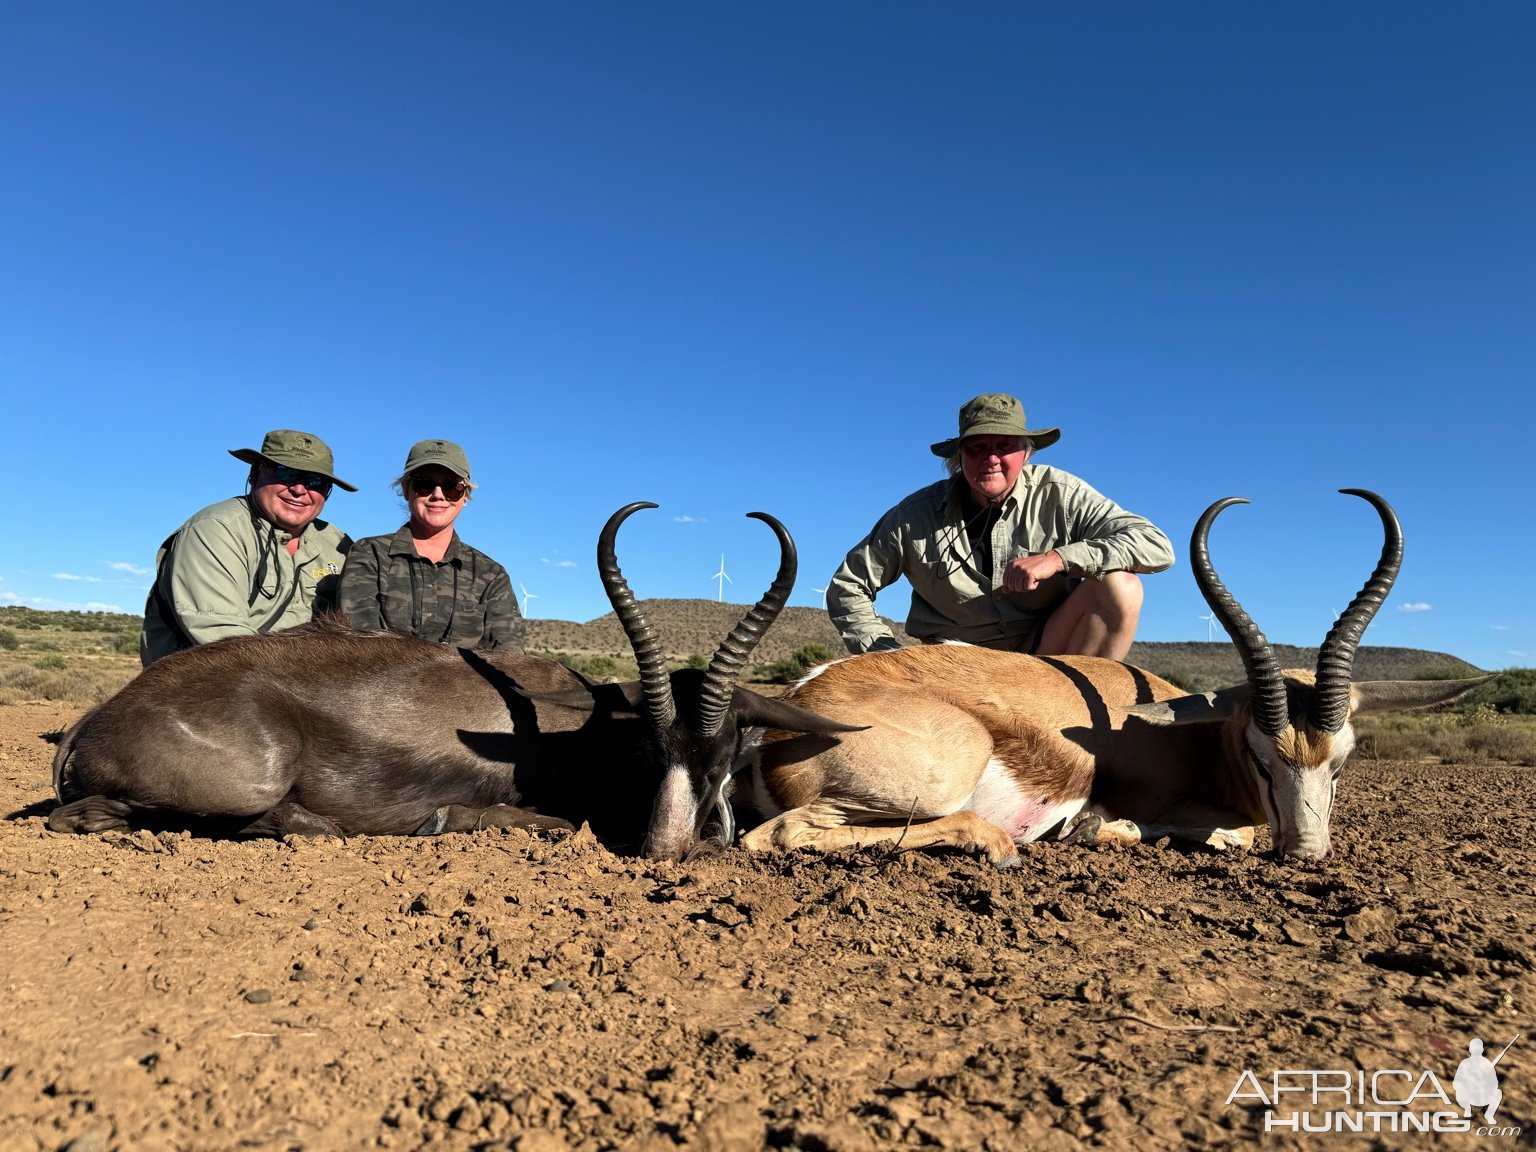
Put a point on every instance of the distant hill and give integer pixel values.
(1201, 666)
(688, 628)
(696, 627)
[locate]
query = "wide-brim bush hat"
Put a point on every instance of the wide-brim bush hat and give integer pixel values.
(995, 414)
(300, 450)
(443, 453)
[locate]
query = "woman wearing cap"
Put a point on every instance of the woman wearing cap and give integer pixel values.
(1005, 553)
(424, 579)
(261, 562)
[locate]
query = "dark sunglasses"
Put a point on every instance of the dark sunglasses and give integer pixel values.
(316, 483)
(424, 487)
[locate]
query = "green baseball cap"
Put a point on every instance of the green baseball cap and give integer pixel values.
(302, 450)
(995, 414)
(444, 453)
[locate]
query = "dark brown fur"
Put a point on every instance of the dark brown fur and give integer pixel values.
(329, 729)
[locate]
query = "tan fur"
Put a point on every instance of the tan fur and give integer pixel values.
(936, 716)
(1056, 732)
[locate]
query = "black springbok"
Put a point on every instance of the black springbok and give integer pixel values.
(329, 730)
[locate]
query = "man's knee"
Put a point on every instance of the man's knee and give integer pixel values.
(1121, 594)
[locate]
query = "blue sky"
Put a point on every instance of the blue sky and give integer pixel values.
(731, 257)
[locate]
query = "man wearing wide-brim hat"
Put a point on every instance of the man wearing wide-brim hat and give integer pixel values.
(1005, 553)
(261, 562)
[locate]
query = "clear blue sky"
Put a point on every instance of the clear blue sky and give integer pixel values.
(732, 257)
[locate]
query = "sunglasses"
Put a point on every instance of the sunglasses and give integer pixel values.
(290, 477)
(451, 491)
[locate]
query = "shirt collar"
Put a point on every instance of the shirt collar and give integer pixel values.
(401, 544)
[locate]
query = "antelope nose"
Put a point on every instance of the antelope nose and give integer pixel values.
(1308, 851)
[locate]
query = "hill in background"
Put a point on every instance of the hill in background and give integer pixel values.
(696, 627)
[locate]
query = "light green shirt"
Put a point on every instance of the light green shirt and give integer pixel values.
(924, 538)
(216, 562)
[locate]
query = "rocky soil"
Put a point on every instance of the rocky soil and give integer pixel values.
(493, 991)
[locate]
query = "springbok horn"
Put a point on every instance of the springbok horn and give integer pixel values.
(1265, 684)
(654, 680)
(1330, 700)
(731, 657)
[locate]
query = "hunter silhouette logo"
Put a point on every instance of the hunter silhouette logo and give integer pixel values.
(1476, 1083)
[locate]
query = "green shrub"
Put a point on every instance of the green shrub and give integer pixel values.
(592, 667)
(8, 640)
(51, 662)
(1179, 680)
(1513, 693)
(1503, 743)
(125, 642)
(791, 668)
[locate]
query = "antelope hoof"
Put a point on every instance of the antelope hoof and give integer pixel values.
(1084, 828)
(1224, 838)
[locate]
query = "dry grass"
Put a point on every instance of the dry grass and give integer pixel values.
(67, 657)
(1471, 737)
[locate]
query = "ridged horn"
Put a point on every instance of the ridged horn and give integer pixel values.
(643, 640)
(1330, 700)
(731, 657)
(1266, 687)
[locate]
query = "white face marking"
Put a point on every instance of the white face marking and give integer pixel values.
(1000, 800)
(672, 819)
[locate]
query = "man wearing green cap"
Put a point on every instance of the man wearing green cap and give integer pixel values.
(260, 562)
(1005, 553)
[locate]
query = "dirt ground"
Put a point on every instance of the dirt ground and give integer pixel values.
(492, 991)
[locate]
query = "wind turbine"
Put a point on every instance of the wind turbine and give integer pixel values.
(1210, 626)
(823, 592)
(527, 596)
(722, 578)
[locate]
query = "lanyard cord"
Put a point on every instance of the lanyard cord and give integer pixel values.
(947, 568)
(265, 547)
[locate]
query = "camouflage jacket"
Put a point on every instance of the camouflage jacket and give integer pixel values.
(465, 600)
(955, 594)
(226, 572)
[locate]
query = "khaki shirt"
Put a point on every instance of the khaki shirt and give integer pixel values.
(209, 569)
(924, 538)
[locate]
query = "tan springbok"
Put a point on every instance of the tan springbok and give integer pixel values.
(977, 749)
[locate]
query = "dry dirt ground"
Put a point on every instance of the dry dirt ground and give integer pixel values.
(491, 991)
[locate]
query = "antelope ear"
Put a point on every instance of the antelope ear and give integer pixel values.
(577, 699)
(1375, 695)
(1199, 708)
(753, 710)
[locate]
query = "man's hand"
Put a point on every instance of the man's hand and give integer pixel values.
(1028, 572)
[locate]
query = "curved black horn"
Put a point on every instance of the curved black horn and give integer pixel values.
(1266, 686)
(1330, 701)
(731, 657)
(642, 637)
